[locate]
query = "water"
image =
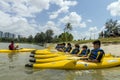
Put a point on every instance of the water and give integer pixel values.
(12, 68)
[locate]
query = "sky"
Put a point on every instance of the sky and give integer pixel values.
(28, 17)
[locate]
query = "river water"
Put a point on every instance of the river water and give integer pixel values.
(12, 68)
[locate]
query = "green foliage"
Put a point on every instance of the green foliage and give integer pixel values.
(39, 38)
(68, 27)
(55, 39)
(30, 39)
(69, 37)
(49, 33)
(45, 37)
(112, 29)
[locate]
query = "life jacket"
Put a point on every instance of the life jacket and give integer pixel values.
(11, 47)
(75, 51)
(95, 53)
(84, 52)
(68, 49)
(64, 48)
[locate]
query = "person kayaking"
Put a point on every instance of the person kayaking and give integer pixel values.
(76, 49)
(84, 52)
(96, 53)
(61, 47)
(12, 47)
(68, 48)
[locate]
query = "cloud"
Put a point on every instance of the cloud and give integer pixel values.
(89, 20)
(53, 26)
(17, 25)
(93, 29)
(74, 19)
(14, 15)
(56, 13)
(114, 8)
(64, 7)
(25, 8)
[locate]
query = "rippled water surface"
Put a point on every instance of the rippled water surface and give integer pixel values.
(12, 68)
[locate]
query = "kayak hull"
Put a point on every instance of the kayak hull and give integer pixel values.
(78, 65)
(14, 51)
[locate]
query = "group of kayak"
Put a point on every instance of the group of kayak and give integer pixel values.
(95, 55)
(80, 59)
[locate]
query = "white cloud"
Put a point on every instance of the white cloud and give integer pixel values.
(93, 29)
(89, 20)
(74, 19)
(17, 25)
(53, 26)
(5, 19)
(56, 13)
(114, 8)
(13, 15)
(63, 3)
(25, 8)
(64, 7)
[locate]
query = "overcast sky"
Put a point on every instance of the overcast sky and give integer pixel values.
(28, 17)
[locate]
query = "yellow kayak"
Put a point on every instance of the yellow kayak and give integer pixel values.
(14, 51)
(77, 65)
(44, 56)
(50, 58)
(63, 64)
(45, 52)
(38, 56)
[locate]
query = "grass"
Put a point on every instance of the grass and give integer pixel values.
(103, 40)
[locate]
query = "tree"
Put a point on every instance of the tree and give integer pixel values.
(36, 38)
(69, 36)
(55, 39)
(30, 39)
(49, 33)
(40, 38)
(68, 27)
(112, 27)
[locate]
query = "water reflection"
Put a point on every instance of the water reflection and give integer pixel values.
(85, 75)
(12, 57)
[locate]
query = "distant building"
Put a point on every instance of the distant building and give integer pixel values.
(19, 36)
(9, 35)
(1, 34)
(6, 34)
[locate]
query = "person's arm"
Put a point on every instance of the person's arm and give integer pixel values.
(100, 55)
(79, 53)
(94, 60)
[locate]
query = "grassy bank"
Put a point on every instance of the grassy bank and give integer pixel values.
(103, 40)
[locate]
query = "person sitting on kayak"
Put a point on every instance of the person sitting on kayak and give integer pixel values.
(61, 47)
(12, 47)
(84, 52)
(97, 53)
(76, 50)
(68, 48)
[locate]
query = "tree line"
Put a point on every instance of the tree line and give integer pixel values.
(112, 29)
(45, 37)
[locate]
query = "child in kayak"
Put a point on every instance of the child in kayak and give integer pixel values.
(61, 47)
(75, 50)
(84, 52)
(68, 48)
(96, 54)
